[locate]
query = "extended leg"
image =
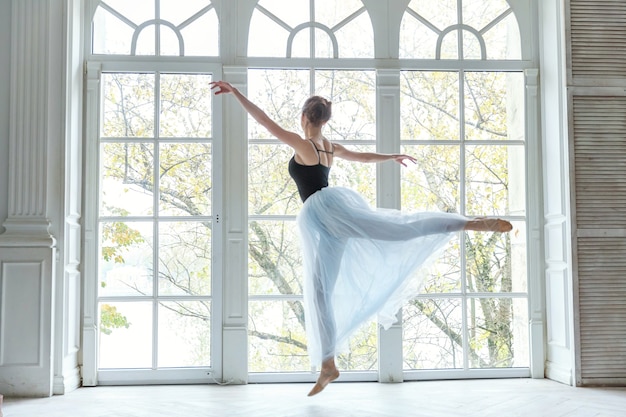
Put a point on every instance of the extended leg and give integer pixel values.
(383, 229)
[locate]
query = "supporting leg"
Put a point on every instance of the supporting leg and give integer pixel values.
(326, 269)
(328, 374)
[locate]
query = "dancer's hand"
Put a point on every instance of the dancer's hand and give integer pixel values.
(222, 87)
(401, 158)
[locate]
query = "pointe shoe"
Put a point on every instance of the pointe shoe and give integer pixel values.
(482, 224)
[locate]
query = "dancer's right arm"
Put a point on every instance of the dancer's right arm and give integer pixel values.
(290, 138)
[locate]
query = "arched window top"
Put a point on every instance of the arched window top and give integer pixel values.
(311, 29)
(460, 29)
(155, 28)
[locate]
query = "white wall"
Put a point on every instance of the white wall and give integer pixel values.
(5, 72)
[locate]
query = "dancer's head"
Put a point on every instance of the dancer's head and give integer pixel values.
(317, 110)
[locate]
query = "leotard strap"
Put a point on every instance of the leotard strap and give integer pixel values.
(331, 152)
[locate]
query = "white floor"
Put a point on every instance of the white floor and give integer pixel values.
(485, 398)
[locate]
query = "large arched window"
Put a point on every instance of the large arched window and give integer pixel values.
(465, 123)
(153, 205)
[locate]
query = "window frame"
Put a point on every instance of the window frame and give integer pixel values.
(387, 65)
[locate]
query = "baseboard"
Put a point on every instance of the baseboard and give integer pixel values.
(559, 373)
(66, 383)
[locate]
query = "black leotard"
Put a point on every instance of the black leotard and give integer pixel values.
(309, 178)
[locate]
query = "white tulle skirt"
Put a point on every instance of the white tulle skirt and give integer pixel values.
(361, 263)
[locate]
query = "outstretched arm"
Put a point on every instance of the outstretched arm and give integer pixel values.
(290, 138)
(342, 152)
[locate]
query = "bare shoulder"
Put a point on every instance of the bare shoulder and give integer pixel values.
(339, 150)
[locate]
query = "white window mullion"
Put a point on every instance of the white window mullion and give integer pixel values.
(155, 220)
(463, 237)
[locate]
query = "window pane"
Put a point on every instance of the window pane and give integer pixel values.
(449, 48)
(125, 335)
(270, 188)
(114, 27)
(489, 171)
(185, 106)
(479, 13)
(277, 337)
(432, 334)
(356, 40)
(362, 354)
(126, 179)
(353, 97)
(357, 176)
(177, 12)
(110, 34)
(184, 333)
(126, 260)
(275, 258)
(145, 42)
(503, 40)
(301, 44)
(471, 46)
(444, 274)
(128, 105)
(417, 40)
(258, 45)
(429, 105)
(498, 332)
(185, 258)
(324, 47)
(185, 187)
(488, 262)
(278, 340)
(433, 183)
(441, 13)
(494, 106)
(137, 11)
(170, 44)
(201, 35)
(281, 94)
(291, 12)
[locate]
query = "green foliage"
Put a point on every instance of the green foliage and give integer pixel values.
(121, 237)
(111, 319)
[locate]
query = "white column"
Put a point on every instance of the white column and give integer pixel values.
(235, 330)
(27, 248)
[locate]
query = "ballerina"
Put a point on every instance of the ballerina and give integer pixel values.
(358, 261)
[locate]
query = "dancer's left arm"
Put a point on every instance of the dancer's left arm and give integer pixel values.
(341, 152)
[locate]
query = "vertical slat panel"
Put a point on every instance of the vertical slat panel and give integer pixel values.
(599, 150)
(601, 270)
(597, 64)
(598, 38)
